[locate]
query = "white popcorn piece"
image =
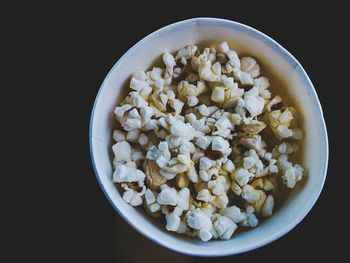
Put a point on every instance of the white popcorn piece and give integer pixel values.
(217, 186)
(118, 136)
(204, 234)
(133, 135)
(249, 65)
(154, 208)
(254, 142)
(251, 220)
(139, 83)
(224, 226)
(168, 175)
(229, 166)
(136, 155)
(192, 101)
(153, 153)
(203, 109)
(177, 105)
(146, 113)
(250, 194)
(179, 128)
(204, 195)
(253, 102)
(183, 199)
(234, 213)
(127, 173)
(137, 100)
(221, 145)
(204, 142)
(192, 174)
(267, 208)
(169, 62)
(218, 94)
(122, 151)
(186, 53)
(150, 197)
(205, 71)
(205, 163)
(143, 139)
(187, 147)
(172, 222)
(167, 196)
(131, 124)
(242, 176)
(132, 196)
(120, 111)
(243, 77)
(197, 219)
(220, 201)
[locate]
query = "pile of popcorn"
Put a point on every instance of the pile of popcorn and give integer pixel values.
(203, 143)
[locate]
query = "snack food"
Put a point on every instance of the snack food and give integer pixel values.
(203, 142)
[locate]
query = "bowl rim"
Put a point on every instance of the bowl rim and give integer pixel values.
(286, 55)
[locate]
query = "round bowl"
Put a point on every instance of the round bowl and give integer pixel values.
(270, 55)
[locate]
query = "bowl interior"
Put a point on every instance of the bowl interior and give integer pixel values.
(280, 66)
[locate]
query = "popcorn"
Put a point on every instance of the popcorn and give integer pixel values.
(179, 128)
(127, 173)
(234, 213)
(263, 84)
(253, 102)
(192, 101)
(204, 195)
(132, 136)
(132, 196)
(218, 95)
(250, 194)
(169, 62)
(206, 72)
(205, 163)
(122, 151)
(118, 136)
(254, 142)
(120, 111)
(268, 206)
(223, 226)
(229, 166)
(186, 53)
(217, 186)
(202, 109)
(177, 105)
(167, 196)
(143, 139)
(232, 55)
(196, 219)
(172, 222)
(249, 65)
(220, 201)
(221, 145)
(183, 199)
(139, 83)
(197, 123)
(204, 142)
(251, 220)
(282, 123)
(243, 77)
(242, 176)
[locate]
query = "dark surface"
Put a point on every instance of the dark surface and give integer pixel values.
(56, 56)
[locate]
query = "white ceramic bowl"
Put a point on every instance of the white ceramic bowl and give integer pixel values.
(245, 40)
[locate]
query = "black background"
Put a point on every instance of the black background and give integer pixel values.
(54, 58)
